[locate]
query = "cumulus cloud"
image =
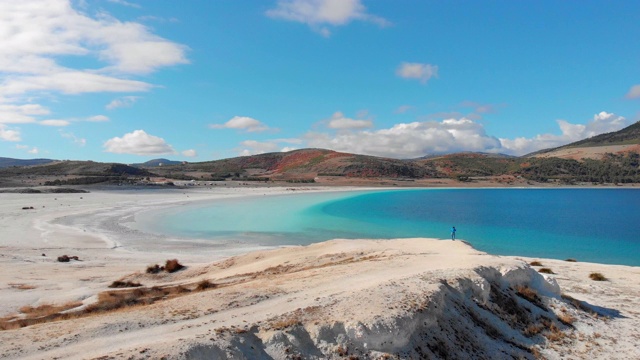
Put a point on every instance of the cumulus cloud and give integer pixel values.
(422, 72)
(339, 122)
(122, 102)
(9, 135)
(33, 151)
(138, 142)
(54, 122)
(189, 153)
(243, 123)
(634, 92)
(37, 35)
(253, 147)
(602, 122)
(320, 14)
(410, 140)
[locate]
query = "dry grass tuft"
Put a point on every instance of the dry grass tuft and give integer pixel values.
(546, 271)
(554, 333)
(285, 323)
(597, 277)
(535, 263)
(124, 284)
(528, 293)
(566, 318)
(47, 309)
(533, 329)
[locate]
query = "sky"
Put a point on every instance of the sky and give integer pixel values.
(197, 80)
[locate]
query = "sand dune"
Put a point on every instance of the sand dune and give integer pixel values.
(404, 298)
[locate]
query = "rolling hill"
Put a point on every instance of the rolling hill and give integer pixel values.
(606, 158)
(596, 147)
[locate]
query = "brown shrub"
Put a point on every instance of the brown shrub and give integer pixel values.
(597, 277)
(154, 269)
(546, 271)
(63, 258)
(204, 285)
(124, 284)
(571, 260)
(535, 263)
(172, 266)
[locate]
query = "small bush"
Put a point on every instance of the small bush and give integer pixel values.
(172, 266)
(124, 284)
(204, 285)
(154, 269)
(546, 271)
(571, 260)
(66, 258)
(535, 263)
(597, 277)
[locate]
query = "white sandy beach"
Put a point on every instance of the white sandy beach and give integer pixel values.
(406, 298)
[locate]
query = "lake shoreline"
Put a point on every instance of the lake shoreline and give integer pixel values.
(33, 239)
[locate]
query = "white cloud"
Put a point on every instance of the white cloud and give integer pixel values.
(122, 102)
(253, 147)
(54, 122)
(242, 123)
(17, 114)
(125, 3)
(339, 122)
(634, 92)
(76, 140)
(403, 109)
(98, 118)
(9, 135)
(423, 72)
(189, 153)
(36, 36)
(138, 142)
(320, 13)
(33, 151)
(410, 140)
(602, 123)
(21, 147)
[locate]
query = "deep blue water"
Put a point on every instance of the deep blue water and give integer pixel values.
(597, 225)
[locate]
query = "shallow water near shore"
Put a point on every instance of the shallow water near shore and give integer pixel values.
(595, 225)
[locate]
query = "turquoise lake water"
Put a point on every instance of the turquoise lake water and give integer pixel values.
(595, 225)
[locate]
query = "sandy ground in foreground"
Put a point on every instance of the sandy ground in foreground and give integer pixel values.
(348, 282)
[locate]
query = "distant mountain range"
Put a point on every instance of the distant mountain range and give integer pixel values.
(8, 162)
(156, 163)
(610, 158)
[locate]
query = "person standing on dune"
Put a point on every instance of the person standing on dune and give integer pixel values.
(453, 233)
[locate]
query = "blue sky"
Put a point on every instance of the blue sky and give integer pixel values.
(131, 80)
